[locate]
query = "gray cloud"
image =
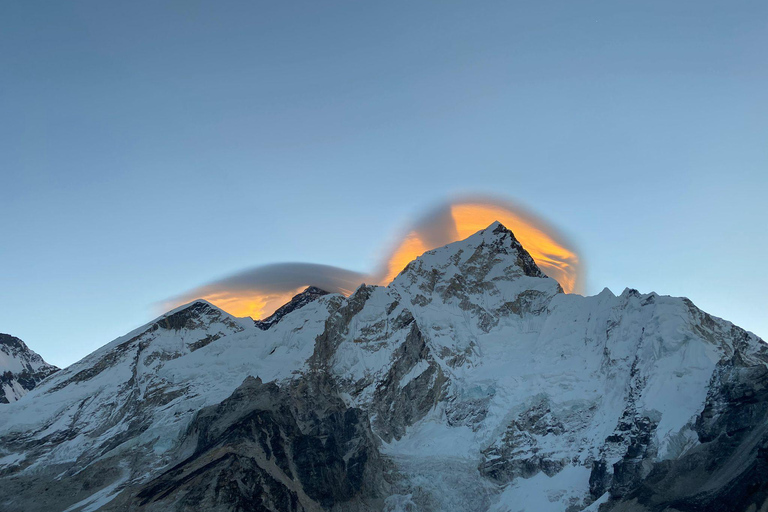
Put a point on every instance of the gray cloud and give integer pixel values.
(282, 277)
(275, 282)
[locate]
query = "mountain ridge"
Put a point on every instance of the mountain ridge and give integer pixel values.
(21, 369)
(471, 382)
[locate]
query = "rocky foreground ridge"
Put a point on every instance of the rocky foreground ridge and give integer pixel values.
(470, 383)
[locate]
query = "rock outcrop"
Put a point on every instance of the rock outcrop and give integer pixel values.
(290, 448)
(21, 369)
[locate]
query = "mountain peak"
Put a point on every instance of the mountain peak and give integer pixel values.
(187, 314)
(470, 367)
(485, 274)
(21, 368)
(502, 239)
(490, 254)
(299, 300)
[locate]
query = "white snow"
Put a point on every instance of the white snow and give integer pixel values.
(98, 499)
(16, 358)
(577, 359)
(542, 493)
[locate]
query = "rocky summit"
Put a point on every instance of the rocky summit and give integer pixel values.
(21, 369)
(470, 383)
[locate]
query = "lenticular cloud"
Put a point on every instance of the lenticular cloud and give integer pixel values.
(259, 291)
(456, 220)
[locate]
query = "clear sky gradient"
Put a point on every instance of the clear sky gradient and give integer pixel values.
(149, 147)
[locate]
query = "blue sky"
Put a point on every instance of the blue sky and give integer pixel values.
(149, 147)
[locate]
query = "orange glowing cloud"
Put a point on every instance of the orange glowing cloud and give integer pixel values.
(254, 304)
(259, 292)
(411, 247)
(460, 219)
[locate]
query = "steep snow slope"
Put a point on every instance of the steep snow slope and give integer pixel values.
(21, 369)
(139, 391)
(521, 380)
(469, 383)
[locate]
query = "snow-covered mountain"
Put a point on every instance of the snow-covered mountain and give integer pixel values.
(21, 369)
(470, 383)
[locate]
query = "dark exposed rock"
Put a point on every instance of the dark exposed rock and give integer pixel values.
(298, 301)
(337, 327)
(507, 243)
(187, 317)
(728, 471)
(599, 479)
(399, 404)
(528, 302)
(517, 453)
(272, 448)
(33, 369)
(635, 464)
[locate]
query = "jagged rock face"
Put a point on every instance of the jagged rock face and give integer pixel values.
(298, 301)
(21, 369)
(290, 448)
(470, 383)
(729, 469)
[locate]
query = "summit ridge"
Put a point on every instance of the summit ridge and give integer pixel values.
(471, 382)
